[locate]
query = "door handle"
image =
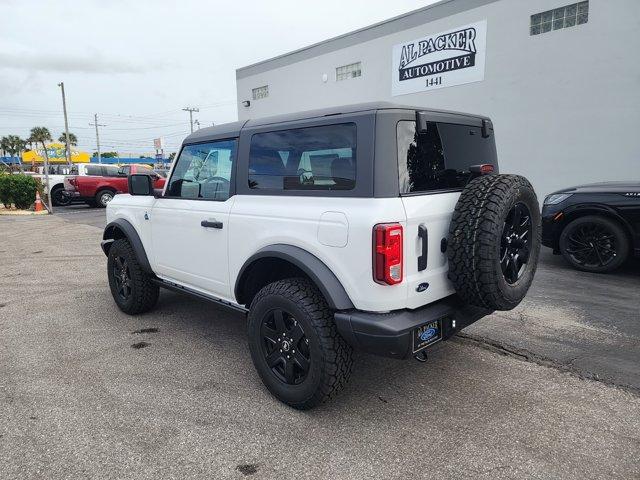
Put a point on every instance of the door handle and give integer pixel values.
(211, 224)
(424, 236)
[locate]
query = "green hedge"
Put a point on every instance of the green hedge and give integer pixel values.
(18, 189)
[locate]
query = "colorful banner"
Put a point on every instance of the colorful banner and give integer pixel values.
(56, 152)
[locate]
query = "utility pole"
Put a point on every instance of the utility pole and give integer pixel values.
(191, 110)
(46, 175)
(95, 116)
(66, 125)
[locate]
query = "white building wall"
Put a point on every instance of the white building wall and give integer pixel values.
(565, 104)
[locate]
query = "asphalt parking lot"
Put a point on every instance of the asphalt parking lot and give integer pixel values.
(549, 390)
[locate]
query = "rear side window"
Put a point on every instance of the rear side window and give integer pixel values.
(93, 170)
(313, 158)
(110, 170)
(440, 158)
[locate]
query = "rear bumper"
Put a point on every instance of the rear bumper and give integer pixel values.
(391, 334)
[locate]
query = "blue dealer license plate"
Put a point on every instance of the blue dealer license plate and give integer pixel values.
(426, 335)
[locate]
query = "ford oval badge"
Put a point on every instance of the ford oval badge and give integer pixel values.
(422, 287)
(428, 334)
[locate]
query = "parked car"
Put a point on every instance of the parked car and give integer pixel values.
(364, 227)
(595, 227)
(102, 182)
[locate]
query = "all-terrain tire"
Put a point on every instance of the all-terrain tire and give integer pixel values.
(143, 292)
(330, 357)
(103, 197)
(476, 241)
(618, 243)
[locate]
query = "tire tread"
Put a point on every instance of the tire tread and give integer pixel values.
(337, 363)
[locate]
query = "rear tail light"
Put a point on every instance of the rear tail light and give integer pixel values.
(482, 169)
(70, 183)
(387, 253)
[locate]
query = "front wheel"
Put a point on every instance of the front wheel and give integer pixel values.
(594, 244)
(131, 287)
(295, 345)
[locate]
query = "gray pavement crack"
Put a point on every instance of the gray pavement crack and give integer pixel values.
(502, 348)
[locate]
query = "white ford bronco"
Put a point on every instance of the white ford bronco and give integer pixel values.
(373, 227)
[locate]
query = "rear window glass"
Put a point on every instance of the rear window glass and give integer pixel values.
(314, 158)
(440, 158)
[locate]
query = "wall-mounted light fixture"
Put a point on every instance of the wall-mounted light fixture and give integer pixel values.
(246, 103)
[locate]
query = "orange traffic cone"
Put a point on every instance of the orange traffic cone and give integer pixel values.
(38, 204)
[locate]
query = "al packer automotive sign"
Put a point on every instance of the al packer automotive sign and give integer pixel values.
(445, 59)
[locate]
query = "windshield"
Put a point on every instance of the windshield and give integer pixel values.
(439, 159)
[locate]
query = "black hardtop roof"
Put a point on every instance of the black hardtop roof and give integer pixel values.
(229, 130)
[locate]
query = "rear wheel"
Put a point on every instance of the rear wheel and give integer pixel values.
(594, 244)
(103, 197)
(131, 287)
(58, 197)
(295, 346)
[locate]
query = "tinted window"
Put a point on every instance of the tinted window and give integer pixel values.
(203, 171)
(440, 158)
(110, 171)
(93, 170)
(314, 158)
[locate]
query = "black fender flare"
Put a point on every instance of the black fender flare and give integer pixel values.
(581, 210)
(128, 231)
(326, 281)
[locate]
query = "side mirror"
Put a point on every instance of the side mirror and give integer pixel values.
(421, 122)
(140, 184)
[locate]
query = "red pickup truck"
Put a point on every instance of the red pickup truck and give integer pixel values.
(102, 182)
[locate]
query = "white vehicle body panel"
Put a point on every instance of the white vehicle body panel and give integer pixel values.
(433, 211)
(259, 221)
(209, 260)
(186, 252)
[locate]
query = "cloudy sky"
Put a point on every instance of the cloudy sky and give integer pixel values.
(137, 63)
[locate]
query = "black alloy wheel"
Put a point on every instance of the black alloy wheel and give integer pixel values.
(594, 244)
(285, 346)
(122, 278)
(59, 198)
(515, 243)
(295, 345)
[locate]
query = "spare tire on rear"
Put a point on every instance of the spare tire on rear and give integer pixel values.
(494, 241)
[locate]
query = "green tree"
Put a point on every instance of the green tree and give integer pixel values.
(73, 140)
(107, 154)
(13, 145)
(172, 156)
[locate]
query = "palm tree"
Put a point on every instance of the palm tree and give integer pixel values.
(73, 140)
(14, 146)
(42, 135)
